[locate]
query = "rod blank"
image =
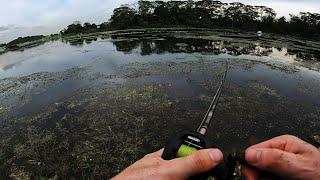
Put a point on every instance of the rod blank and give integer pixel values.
(209, 115)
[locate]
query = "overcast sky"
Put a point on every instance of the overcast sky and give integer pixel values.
(52, 15)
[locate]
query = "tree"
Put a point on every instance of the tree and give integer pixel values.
(87, 27)
(281, 26)
(205, 13)
(73, 29)
(234, 13)
(145, 7)
(123, 17)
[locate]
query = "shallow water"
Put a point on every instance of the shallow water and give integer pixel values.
(151, 86)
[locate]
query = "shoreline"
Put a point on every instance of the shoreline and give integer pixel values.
(228, 33)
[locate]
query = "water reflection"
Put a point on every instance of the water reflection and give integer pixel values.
(181, 45)
(126, 45)
(191, 45)
(59, 55)
(282, 53)
(157, 44)
(80, 41)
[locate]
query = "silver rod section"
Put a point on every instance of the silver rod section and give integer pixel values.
(209, 115)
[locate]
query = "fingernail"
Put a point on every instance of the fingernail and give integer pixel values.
(253, 155)
(215, 155)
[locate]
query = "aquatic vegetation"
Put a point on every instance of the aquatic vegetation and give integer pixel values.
(263, 89)
(80, 140)
(91, 122)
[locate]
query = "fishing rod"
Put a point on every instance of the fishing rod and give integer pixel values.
(191, 141)
(209, 115)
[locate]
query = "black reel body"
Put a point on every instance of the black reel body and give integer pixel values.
(192, 139)
(189, 142)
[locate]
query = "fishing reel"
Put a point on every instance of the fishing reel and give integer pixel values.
(189, 142)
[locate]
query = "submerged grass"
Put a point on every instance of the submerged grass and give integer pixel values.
(103, 127)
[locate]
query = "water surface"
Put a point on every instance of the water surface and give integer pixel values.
(93, 98)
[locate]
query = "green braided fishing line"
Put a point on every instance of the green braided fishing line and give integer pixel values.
(185, 150)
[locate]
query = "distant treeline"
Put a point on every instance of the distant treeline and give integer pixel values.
(77, 28)
(204, 14)
(24, 39)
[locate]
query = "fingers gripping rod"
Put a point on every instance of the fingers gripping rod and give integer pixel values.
(209, 115)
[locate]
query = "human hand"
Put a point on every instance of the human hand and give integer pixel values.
(286, 156)
(152, 166)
